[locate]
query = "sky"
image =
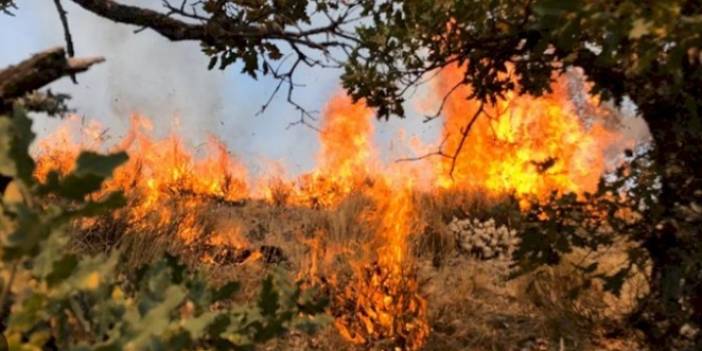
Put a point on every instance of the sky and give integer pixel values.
(147, 74)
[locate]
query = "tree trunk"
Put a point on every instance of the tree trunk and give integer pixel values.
(674, 243)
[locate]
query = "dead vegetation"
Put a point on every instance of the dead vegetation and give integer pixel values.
(471, 304)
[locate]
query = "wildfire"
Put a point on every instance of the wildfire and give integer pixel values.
(346, 157)
(383, 301)
(522, 146)
(165, 184)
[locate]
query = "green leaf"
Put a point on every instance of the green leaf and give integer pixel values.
(112, 201)
(28, 312)
(199, 325)
(213, 62)
(268, 299)
(178, 269)
(72, 187)
(90, 274)
(31, 231)
(19, 150)
(156, 321)
(7, 163)
(91, 170)
(63, 269)
(91, 163)
(226, 291)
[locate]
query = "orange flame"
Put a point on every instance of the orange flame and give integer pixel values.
(523, 145)
(382, 301)
(346, 156)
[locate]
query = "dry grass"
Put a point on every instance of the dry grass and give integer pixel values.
(471, 306)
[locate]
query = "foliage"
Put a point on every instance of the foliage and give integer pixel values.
(626, 207)
(648, 51)
(53, 297)
(6, 5)
(258, 52)
(553, 228)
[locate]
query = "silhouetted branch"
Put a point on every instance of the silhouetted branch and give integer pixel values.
(6, 5)
(236, 32)
(436, 115)
(456, 152)
(66, 30)
(38, 71)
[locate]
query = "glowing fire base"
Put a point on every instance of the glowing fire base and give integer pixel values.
(382, 307)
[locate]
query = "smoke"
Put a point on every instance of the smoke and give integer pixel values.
(144, 73)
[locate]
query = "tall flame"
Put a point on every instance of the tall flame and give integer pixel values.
(522, 145)
(383, 302)
(346, 156)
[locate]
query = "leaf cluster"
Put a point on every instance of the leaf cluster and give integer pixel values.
(649, 52)
(6, 6)
(624, 208)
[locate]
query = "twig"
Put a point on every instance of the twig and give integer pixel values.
(66, 33)
(454, 156)
(464, 136)
(439, 152)
(443, 102)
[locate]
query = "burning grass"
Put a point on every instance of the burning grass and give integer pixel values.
(375, 237)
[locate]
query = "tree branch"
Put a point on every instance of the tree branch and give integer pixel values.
(38, 71)
(456, 152)
(170, 28)
(209, 30)
(464, 135)
(66, 30)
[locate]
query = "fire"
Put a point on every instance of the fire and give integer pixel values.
(382, 302)
(521, 145)
(166, 185)
(346, 156)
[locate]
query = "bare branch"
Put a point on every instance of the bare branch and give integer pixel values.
(456, 152)
(464, 135)
(38, 71)
(66, 33)
(170, 28)
(66, 30)
(439, 152)
(436, 115)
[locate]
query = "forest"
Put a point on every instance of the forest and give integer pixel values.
(389, 175)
